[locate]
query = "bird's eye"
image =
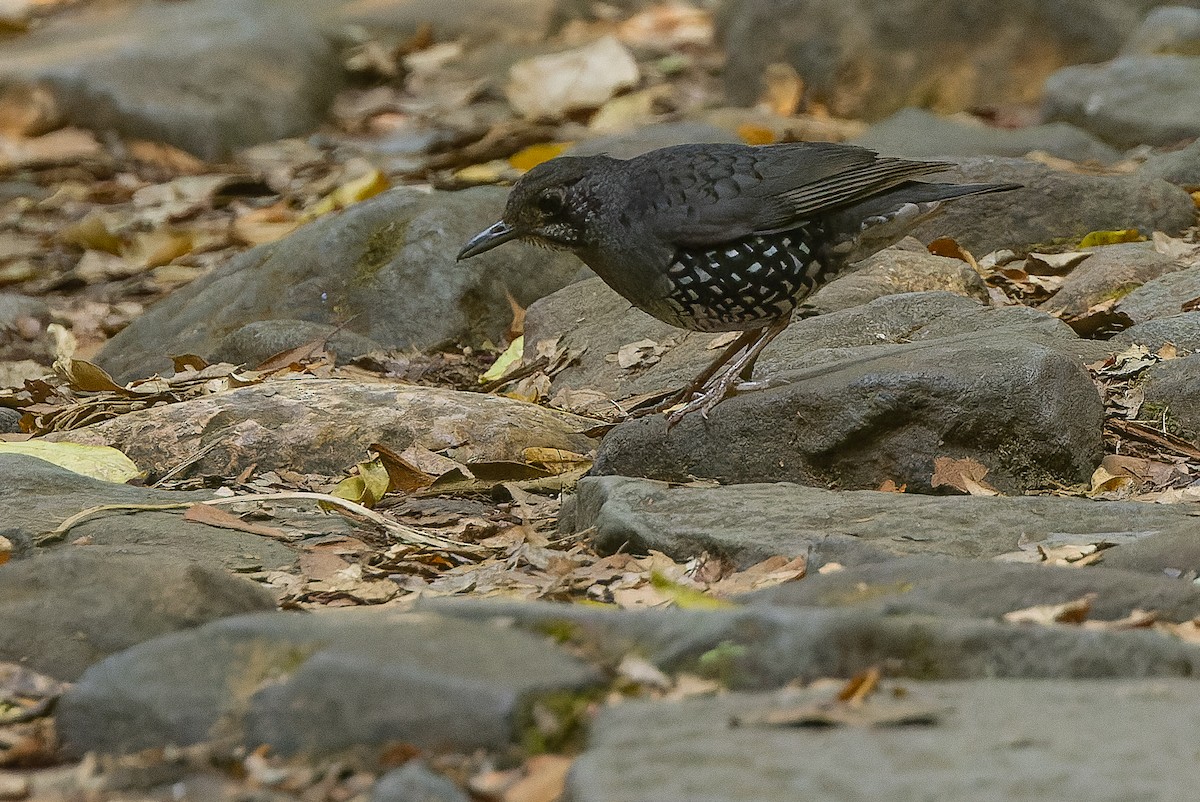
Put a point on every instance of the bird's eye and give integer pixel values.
(550, 203)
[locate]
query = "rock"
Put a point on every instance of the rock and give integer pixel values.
(1132, 100)
(987, 739)
(859, 58)
(275, 426)
(919, 134)
(760, 647)
(1054, 207)
(908, 267)
(10, 419)
(1029, 414)
(1162, 297)
(1180, 167)
(208, 77)
(628, 144)
(1167, 30)
(748, 523)
(386, 265)
(36, 497)
(1112, 271)
(80, 605)
(1172, 391)
(583, 78)
(1172, 554)
(323, 682)
(1182, 331)
(588, 316)
(23, 322)
(255, 343)
(415, 782)
(984, 589)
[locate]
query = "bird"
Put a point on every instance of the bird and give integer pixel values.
(722, 237)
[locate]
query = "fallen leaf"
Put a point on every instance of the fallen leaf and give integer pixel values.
(508, 360)
(961, 474)
(554, 84)
(544, 781)
(214, 516)
(1071, 612)
(99, 462)
(1094, 238)
(532, 155)
(783, 89)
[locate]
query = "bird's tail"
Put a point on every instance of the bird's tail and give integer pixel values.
(860, 230)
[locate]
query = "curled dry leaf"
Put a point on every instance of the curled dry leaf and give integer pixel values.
(1071, 612)
(961, 474)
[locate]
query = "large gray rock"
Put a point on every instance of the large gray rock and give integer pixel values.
(1182, 331)
(1027, 413)
(212, 76)
(275, 426)
(751, 522)
(1112, 271)
(1054, 206)
(866, 59)
(1180, 167)
(756, 647)
(35, 497)
(1132, 100)
(985, 589)
(1167, 30)
(1162, 297)
(385, 265)
(208, 76)
(919, 134)
(987, 740)
(1172, 391)
(321, 683)
(590, 318)
(256, 342)
(78, 606)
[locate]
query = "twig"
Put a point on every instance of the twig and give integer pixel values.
(1165, 441)
(402, 533)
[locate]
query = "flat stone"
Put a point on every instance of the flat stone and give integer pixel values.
(77, 606)
(415, 782)
(1182, 331)
(1162, 297)
(37, 496)
(920, 134)
(759, 647)
(1172, 391)
(386, 265)
(989, 739)
(944, 586)
(1131, 100)
(858, 58)
(1054, 206)
(589, 317)
(750, 522)
(274, 426)
(208, 77)
(1112, 271)
(1166, 30)
(1180, 166)
(1029, 414)
(256, 342)
(320, 683)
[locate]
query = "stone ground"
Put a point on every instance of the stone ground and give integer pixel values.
(293, 507)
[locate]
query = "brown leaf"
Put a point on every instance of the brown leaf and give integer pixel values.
(544, 781)
(1072, 612)
(962, 474)
(214, 516)
(860, 686)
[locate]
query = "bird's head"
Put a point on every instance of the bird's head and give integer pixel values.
(548, 206)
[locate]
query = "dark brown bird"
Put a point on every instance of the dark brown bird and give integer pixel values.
(722, 237)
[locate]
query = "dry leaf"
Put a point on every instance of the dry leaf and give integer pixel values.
(961, 474)
(1071, 612)
(783, 89)
(214, 516)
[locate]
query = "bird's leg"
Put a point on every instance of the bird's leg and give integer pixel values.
(727, 381)
(697, 385)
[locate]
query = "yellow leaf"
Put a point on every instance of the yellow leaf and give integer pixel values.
(530, 157)
(157, 248)
(92, 233)
(684, 597)
(487, 173)
(1111, 238)
(99, 462)
(510, 358)
(367, 487)
(359, 189)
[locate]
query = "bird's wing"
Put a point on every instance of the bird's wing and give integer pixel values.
(706, 195)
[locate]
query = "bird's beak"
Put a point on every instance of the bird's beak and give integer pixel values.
(490, 237)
